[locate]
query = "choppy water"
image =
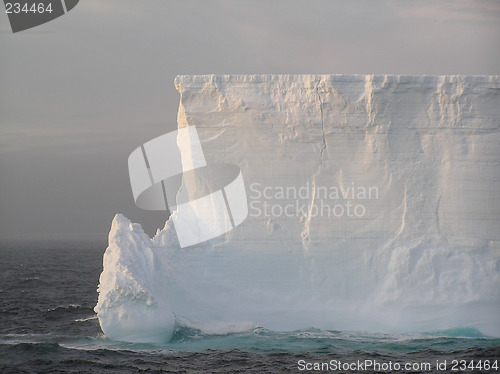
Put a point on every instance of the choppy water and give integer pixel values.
(47, 325)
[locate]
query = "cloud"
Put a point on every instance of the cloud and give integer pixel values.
(449, 10)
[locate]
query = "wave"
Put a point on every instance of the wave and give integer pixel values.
(34, 348)
(188, 337)
(216, 327)
(54, 357)
(261, 340)
(62, 311)
(66, 307)
(461, 332)
(90, 318)
(30, 279)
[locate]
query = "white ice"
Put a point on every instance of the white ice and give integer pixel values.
(423, 256)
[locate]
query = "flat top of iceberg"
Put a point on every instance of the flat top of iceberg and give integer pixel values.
(257, 78)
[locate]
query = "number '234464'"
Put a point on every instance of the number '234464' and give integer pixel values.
(17, 8)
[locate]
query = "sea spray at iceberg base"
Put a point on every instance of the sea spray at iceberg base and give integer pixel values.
(372, 206)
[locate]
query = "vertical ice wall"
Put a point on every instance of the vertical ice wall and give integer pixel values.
(373, 204)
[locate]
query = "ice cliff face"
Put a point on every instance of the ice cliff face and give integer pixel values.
(373, 204)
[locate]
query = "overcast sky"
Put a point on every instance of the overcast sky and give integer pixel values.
(78, 94)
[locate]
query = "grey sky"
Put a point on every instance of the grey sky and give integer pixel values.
(78, 94)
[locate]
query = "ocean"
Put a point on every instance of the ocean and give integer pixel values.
(47, 325)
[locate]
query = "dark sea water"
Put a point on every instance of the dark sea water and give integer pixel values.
(47, 325)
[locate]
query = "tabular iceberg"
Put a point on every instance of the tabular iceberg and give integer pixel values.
(373, 204)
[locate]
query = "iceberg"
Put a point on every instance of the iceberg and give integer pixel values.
(373, 204)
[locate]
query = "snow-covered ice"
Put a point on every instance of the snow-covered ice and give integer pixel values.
(373, 205)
